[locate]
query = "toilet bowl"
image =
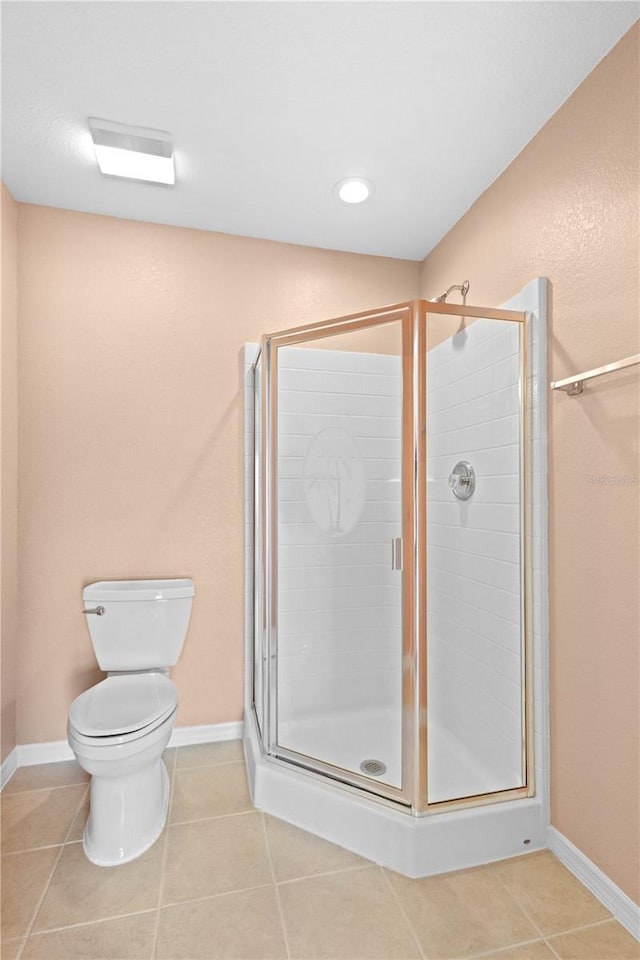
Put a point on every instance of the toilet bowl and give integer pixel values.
(118, 731)
(119, 728)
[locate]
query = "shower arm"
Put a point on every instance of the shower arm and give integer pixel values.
(462, 287)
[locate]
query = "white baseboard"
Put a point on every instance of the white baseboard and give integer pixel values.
(28, 754)
(598, 883)
(207, 733)
(50, 752)
(9, 767)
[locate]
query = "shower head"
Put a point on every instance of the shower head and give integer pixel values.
(462, 287)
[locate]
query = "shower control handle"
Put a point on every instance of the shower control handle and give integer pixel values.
(456, 481)
(462, 480)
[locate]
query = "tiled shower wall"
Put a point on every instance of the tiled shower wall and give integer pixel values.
(339, 601)
(474, 590)
(339, 616)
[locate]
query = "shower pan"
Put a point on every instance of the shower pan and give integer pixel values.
(396, 560)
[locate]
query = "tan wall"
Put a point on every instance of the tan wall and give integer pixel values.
(9, 470)
(567, 208)
(131, 432)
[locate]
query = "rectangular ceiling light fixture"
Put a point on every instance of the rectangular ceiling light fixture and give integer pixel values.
(135, 153)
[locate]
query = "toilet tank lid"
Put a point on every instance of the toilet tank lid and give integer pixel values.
(126, 591)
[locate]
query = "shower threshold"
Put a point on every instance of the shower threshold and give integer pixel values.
(388, 834)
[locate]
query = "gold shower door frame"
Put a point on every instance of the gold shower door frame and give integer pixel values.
(412, 797)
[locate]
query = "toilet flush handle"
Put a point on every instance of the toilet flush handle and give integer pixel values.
(99, 611)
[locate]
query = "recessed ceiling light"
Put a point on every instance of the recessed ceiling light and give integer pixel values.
(135, 153)
(354, 189)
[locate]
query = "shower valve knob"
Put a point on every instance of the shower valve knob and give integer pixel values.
(462, 480)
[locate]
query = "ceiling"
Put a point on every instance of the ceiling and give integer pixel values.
(270, 104)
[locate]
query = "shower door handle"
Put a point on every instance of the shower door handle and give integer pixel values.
(396, 553)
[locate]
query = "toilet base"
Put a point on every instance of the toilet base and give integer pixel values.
(127, 815)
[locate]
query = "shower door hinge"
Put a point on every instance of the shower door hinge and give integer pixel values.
(396, 553)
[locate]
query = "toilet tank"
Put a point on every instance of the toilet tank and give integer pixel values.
(143, 622)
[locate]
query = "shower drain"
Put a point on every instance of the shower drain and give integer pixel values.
(373, 768)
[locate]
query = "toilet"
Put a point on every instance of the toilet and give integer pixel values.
(119, 728)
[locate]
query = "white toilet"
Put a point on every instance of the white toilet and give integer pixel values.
(119, 728)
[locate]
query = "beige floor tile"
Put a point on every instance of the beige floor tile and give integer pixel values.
(462, 913)
(550, 895)
(296, 853)
(43, 776)
(607, 941)
(213, 791)
(81, 892)
(345, 916)
(24, 878)
(538, 950)
(10, 949)
(39, 818)
(215, 856)
(130, 937)
(237, 926)
(204, 754)
(77, 827)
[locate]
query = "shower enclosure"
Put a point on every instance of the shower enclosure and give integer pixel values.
(392, 652)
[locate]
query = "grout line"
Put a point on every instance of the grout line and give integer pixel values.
(59, 843)
(165, 854)
(404, 913)
(38, 906)
(326, 873)
(216, 896)
(553, 951)
(584, 926)
(476, 633)
(90, 923)
(276, 888)
(471, 553)
(20, 948)
(559, 933)
(498, 950)
(220, 816)
(45, 846)
(474, 606)
(483, 583)
(521, 908)
(20, 941)
(495, 533)
(57, 786)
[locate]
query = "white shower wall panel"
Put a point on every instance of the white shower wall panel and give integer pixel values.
(474, 573)
(339, 601)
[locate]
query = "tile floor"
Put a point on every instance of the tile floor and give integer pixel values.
(225, 881)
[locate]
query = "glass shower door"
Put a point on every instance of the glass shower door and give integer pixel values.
(475, 596)
(336, 501)
(392, 649)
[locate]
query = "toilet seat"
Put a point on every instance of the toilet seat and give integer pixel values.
(124, 744)
(123, 707)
